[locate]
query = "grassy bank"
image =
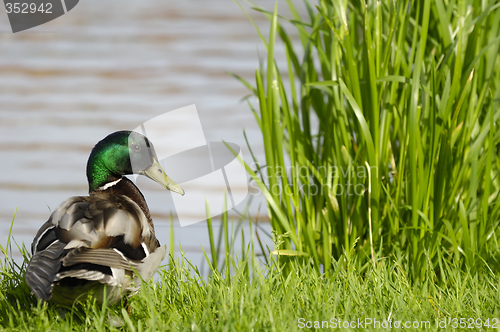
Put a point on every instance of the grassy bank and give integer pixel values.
(269, 301)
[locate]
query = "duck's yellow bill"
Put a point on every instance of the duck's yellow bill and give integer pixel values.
(156, 173)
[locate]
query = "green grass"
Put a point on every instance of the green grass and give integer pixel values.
(268, 300)
(404, 157)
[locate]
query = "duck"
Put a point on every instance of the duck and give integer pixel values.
(101, 245)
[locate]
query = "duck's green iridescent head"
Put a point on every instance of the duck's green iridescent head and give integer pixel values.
(122, 153)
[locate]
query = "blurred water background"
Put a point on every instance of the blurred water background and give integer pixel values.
(112, 65)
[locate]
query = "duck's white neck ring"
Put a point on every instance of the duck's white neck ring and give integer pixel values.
(109, 185)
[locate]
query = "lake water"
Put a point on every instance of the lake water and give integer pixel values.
(112, 65)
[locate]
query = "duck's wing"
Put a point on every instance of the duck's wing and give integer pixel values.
(93, 239)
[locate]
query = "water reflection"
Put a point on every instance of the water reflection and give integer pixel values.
(107, 66)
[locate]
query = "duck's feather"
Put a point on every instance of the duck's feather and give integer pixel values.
(105, 257)
(42, 269)
(96, 238)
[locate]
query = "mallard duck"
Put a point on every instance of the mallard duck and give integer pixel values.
(94, 245)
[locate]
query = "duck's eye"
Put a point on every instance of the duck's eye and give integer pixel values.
(136, 147)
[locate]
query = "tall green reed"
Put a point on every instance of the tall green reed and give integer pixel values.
(383, 140)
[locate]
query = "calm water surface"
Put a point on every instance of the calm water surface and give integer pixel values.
(112, 65)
